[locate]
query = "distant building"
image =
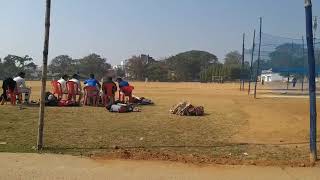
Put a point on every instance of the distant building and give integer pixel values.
(270, 76)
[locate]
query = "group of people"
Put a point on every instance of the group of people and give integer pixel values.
(107, 87)
(17, 86)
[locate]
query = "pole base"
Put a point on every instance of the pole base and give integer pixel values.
(313, 159)
(39, 147)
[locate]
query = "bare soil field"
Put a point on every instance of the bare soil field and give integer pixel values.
(53, 166)
(237, 129)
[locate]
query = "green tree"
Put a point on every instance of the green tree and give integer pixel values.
(13, 64)
(63, 64)
(188, 65)
(233, 58)
(157, 71)
(288, 56)
(93, 63)
(136, 66)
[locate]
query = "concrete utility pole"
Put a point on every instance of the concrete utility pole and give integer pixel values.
(44, 76)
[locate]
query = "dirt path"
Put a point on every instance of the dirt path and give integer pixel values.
(47, 166)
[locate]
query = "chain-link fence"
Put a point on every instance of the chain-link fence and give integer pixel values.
(283, 65)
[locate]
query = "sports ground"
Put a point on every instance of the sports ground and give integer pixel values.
(237, 129)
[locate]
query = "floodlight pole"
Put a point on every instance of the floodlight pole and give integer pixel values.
(312, 84)
(259, 56)
(251, 64)
(44, 76)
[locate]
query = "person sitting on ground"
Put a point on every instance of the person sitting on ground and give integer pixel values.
(63, 81)
(92, 82)
(75, 78)
(10, 85)
(21, 86)
(125, 90)
(109, 89)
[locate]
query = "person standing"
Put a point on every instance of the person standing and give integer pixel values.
(294, 82)
(22, 88)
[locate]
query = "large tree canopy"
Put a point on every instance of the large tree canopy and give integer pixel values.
(188, 65)
(92, 63)
(62, 64)
(233, 58)
(13, 64)
(288, 56)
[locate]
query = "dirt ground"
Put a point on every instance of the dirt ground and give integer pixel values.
(45, 166)
(236, 127)
(268, 120)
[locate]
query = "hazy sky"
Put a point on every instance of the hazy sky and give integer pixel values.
(118, 29)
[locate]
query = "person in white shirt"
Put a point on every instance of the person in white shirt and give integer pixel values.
(75, 78)
(63, 81)
(21, 86)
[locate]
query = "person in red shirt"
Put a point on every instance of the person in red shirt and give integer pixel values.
(109, 89)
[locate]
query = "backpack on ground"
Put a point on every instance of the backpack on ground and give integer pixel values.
(51, 99)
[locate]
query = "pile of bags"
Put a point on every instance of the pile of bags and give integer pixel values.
(187, 109)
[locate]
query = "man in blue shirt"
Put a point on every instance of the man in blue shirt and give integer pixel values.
(122, 83)
(125, 90)
(92, 82)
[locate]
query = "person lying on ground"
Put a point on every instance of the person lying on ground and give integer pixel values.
(21, 86)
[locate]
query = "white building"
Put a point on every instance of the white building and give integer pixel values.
(270, 76)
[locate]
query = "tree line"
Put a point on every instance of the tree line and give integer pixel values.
(11, 65)
(187, 66)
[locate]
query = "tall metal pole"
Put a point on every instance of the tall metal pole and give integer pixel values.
(242, 63)
(315, 27)
(44, 76)
(251, 64)
(312, 82)
(259, 56)
(304, 65)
